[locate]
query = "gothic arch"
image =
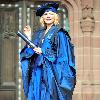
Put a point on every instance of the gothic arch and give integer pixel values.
(73, 16)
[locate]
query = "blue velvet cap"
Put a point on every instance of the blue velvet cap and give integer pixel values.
(47, 7)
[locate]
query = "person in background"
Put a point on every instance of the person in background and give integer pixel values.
(48, 71)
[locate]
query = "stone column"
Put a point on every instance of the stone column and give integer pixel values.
(87, 26)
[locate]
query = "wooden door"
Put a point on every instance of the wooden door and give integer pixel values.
(8, 52)
(14, 17)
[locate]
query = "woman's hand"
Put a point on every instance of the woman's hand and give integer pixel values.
(38, 50)
(27, 31)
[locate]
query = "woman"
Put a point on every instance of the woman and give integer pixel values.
(48, 71)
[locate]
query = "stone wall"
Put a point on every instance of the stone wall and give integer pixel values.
(87, 46)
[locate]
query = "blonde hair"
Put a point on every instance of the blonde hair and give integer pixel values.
(56, 20)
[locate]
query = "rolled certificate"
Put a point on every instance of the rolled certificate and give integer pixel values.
(20, 34)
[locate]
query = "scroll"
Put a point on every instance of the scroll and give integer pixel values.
(20, 34)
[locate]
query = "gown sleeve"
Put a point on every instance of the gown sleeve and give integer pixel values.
(65, 50)
(26, 55)
(65, 65)
(28, 52)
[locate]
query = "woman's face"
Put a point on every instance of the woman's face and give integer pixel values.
(48, 17)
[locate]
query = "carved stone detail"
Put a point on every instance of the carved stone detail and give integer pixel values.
(7, 21)
(87, 3)
(87, 21)
(87, 25)
(87, 12)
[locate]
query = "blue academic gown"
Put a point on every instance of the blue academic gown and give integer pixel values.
(50, 75)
